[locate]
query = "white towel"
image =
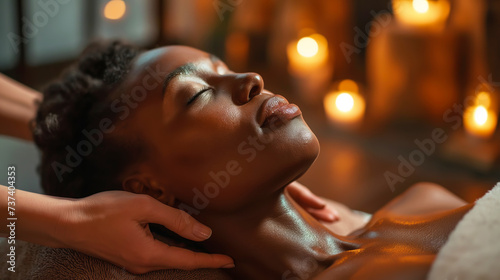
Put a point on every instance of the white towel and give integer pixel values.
(472, 251)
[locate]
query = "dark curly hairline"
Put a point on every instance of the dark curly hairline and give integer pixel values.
(79, 101)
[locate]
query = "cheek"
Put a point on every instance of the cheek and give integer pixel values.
(213, 133)
(196, 146)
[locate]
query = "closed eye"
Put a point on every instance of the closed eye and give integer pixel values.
(192, 99)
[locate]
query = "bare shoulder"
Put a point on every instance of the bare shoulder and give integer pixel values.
(421, 199)
(392, 249)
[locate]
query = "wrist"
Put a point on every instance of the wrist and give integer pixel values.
(44, 219)
(63, 222)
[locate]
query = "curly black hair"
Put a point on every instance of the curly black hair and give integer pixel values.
(79, 156)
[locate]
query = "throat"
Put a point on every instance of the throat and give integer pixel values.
(275, 238)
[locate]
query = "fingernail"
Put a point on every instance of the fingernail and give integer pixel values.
(202, 232)
(331, 217)
(229, 265)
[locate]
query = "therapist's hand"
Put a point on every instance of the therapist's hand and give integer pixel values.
(313, 204)
(113, 226)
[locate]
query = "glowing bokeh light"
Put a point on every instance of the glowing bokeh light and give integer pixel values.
(421, 6)
(307, 47)
(483, 99)
(344, 102)
(115, 9)
(348, 85)
(480, 115)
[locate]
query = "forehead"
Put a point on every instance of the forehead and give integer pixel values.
(166, 58)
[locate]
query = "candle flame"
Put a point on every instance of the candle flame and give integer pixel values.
(480, 115)
(483, 98)
(421, 6)
(307, 47)
(344, 102)
(115, 9)
(344, 107)
(348, 85)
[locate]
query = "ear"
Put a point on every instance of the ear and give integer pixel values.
(144, 185)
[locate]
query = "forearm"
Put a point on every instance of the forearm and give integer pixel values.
(17, 108)
(40, 218)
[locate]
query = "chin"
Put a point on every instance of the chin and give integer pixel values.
(310, 154)
(304, 149)
(305, 138)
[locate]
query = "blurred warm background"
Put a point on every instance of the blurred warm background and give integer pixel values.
(397, 91)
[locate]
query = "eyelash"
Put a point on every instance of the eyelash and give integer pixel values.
(192, 99)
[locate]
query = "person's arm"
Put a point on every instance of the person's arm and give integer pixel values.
(105, 225)
(17, 108)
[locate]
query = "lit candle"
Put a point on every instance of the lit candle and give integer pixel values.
(421, 12)
(307, 54)
(480, 119)
(346, 105)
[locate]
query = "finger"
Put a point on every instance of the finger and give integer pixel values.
(326, 214)
(177, 221)
(166, 257)
(304, 197)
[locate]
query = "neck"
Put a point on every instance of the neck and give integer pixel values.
(274, 238)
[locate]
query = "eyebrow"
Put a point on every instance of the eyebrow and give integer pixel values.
(185, 69)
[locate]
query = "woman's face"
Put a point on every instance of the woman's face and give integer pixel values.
(216, 140)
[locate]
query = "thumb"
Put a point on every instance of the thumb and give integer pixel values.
(177, 221)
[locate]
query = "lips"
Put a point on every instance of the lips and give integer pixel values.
(276, 110)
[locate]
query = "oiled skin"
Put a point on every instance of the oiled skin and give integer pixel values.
(400, 242)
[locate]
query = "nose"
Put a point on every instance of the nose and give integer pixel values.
(248, 85)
